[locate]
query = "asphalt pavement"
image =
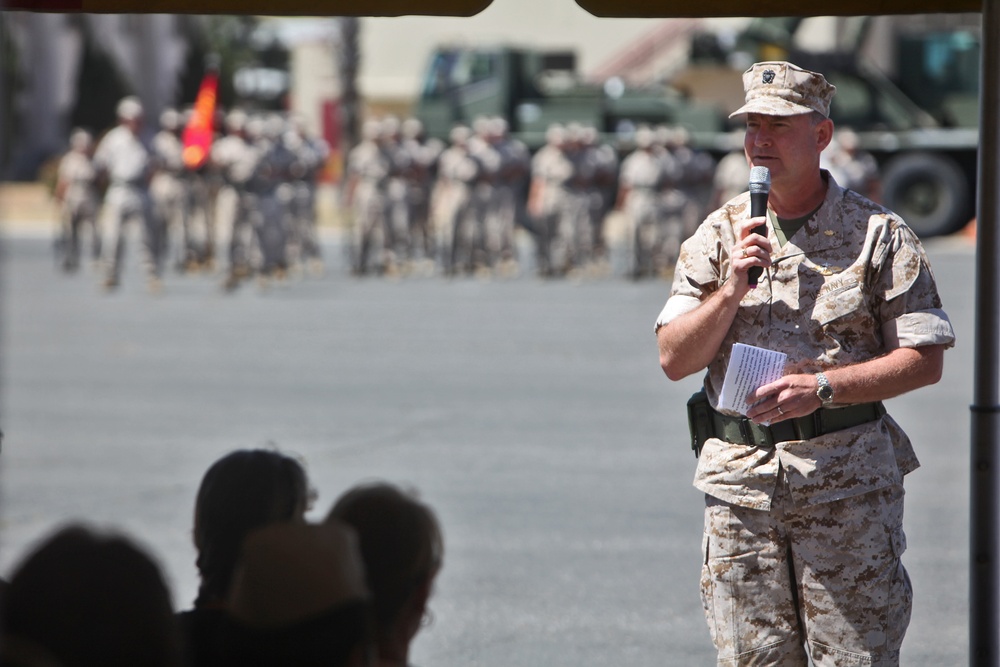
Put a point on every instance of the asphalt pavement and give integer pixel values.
(531, 414)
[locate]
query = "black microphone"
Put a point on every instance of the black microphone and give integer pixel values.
(760, 187)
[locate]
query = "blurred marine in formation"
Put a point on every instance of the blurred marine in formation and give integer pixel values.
(664, 188)
(236, 159)
(549, 202)
(419, 171)
(310, 157)
(123, 159)
(79, 200)
(458, 172)
(168, 191)
(367, 172)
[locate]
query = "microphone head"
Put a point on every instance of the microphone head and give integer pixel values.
(760, 180)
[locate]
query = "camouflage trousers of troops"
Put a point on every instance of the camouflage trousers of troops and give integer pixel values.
(123, 205)
(824, 580)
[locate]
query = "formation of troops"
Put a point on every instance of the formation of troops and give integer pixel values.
(256, 192)
(458, 205)
(413, 204)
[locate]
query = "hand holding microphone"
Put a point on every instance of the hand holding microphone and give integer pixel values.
(760, 187)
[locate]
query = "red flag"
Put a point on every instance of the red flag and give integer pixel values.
(200, 131)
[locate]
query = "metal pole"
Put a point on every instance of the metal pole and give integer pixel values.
(984, 583)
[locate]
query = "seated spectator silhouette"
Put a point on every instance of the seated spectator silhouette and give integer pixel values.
(88, 599)
(298, 599)
(402, 548)
(244, 490)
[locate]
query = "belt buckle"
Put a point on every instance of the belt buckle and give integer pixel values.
(768, 436)
(749, 436)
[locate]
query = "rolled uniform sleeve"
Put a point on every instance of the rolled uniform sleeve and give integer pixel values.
(906, 293)
(702, 264)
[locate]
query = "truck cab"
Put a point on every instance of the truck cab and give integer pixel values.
(534, 89)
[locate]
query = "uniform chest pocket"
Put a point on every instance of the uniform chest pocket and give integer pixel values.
(837, 302)
(844, 323)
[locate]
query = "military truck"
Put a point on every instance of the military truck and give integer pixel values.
(907, 85)
(535, 88)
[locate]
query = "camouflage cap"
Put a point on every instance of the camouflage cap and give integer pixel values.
(782, 89)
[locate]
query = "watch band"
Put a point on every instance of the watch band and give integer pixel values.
(824, 390)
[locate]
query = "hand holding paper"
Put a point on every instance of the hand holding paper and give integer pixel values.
(749, 368)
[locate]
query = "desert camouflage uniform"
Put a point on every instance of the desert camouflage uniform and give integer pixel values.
(237, 161)
(458, 173)
(420, 174)
(125, 159)
(311, 154)
(368, 168)
(275, 190)
(78, 195)
(640, 178)
(732, 176)
(576, 231)
(169, 195)
(851, 285)
(602, 193)
(510, 195)
(552, 170)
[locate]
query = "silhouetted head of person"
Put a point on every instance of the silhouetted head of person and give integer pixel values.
(86, 599)
(402, 548)
(298, 598)
(243, 490)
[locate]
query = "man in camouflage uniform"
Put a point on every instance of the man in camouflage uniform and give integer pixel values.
(552, 170)
(510, 187)
(237, 159)
(455, 212)
(311, 154)
(168, 190)
(641, 178)
(76, 191)
(274, 189)
(603, 159)
(124, 160)
(854, 167)
(421, 165)
(803, 522)
(368, 167)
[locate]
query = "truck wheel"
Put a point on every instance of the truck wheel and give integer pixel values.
(930, 192)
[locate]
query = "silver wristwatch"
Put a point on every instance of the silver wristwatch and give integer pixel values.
(824, 390)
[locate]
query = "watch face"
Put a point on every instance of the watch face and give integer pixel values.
(825, 392)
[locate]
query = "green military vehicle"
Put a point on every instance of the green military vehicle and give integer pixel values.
(533, 89)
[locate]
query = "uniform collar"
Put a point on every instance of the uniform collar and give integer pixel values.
(825, 229)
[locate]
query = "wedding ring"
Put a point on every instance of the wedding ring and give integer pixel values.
(780, 411)
(744, 253)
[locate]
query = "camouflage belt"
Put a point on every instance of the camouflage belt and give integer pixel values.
(742, 431)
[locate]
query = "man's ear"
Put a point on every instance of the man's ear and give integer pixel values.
(824, 134)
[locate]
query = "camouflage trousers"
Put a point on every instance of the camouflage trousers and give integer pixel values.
(822, 581)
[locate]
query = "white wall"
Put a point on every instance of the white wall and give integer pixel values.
(395, 50)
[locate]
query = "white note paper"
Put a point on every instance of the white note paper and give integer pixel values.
(749, 367)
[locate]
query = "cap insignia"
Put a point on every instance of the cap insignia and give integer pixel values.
(768, 76)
